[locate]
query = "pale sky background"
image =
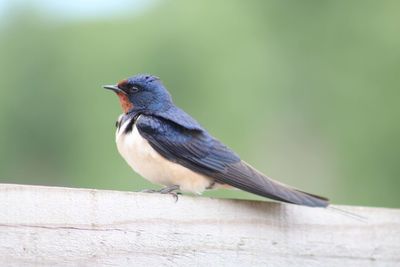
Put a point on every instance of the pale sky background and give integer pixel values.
(72, 10)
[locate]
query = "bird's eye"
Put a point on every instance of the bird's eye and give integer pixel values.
(133, 89)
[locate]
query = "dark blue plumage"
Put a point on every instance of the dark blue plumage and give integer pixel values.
(179, 138)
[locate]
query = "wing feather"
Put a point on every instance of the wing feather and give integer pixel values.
(197, 150)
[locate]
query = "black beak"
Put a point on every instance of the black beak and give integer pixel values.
(114, 88)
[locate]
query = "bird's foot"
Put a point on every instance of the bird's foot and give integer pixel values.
(166, 190)
(170, 190)
(148, 191)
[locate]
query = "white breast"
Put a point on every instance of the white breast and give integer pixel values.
(147, 162)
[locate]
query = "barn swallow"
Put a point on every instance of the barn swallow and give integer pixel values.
(168, 147)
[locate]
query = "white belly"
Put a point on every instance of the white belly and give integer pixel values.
(151, 165)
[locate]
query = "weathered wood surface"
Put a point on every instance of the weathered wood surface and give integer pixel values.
(50, 226)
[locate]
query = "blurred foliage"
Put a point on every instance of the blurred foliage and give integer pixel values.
(306, 91)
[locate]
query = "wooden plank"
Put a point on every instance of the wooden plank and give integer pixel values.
(51, 226)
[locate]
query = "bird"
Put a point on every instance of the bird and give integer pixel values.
(168, 147)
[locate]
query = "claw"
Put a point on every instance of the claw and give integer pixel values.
(175, 196)
(170, 190)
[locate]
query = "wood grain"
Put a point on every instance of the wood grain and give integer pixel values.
(52, 226)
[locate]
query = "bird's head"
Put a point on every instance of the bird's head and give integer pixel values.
(141, 92)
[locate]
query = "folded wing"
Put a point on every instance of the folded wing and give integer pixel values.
(197, 150)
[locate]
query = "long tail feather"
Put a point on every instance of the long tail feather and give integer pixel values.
(247, 178)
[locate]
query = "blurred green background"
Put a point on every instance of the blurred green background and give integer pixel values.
(306, 91)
